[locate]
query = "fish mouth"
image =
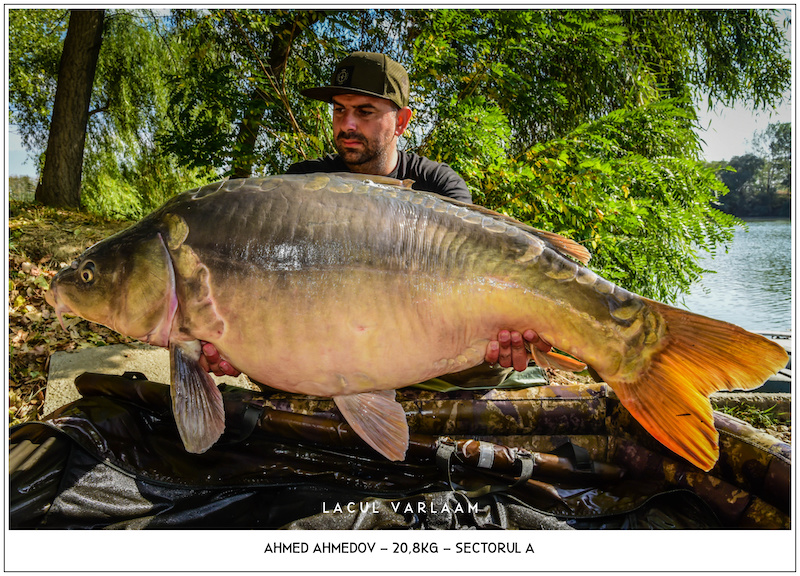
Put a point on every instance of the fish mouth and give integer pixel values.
(61, 307)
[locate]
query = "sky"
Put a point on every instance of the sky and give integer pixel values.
(18, 163)
(728, 132)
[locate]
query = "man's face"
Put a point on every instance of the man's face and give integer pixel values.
(365, 129)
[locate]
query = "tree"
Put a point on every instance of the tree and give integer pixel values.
(730, 54)
(61, 175)
(234, 108)
(610, 159)
(35, 41)
(739, 176)
(775, 145)
(579, 121)
(282, 33)
(126, 172)
(760, 183)
(21, 187)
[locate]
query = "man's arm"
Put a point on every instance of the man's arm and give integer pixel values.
(431, 176)
(451, 184)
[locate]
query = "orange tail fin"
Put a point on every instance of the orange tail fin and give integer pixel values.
(701, 356)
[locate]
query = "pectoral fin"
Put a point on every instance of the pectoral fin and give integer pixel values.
(379, 419)
(557, 361)
(196, 400)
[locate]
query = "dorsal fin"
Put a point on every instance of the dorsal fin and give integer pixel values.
(564, 245)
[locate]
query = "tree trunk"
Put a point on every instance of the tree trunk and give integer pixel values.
(260, 99)
(61, 175)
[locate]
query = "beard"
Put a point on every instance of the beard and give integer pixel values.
(372, 152)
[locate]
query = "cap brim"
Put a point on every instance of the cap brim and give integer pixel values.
(325, 93)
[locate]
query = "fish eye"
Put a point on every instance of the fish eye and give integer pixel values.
(87, 274)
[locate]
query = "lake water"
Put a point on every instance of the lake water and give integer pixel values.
(752, 286)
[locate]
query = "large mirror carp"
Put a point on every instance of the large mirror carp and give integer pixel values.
(348, 287)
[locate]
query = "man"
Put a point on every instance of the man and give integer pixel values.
(369, 93)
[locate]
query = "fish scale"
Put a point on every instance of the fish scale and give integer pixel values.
(351, 287)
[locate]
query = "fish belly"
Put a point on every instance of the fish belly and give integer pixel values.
(336, 332)
(333, 334)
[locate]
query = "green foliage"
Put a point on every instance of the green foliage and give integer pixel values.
(123, 191)
(580, 121)
(775, 144)
(34, 51)
(739, 177)
(112, 197)
(125, 172)
(756, 417)
(577, 121)
(21, 188)
(615, 185)
(473, 135)
(234, 103)
(548, 70)
(204, 99)
(734, 55)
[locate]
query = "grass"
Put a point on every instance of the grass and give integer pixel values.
(768, 420)
(754, 416)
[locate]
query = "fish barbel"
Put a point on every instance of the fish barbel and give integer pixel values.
(375, 287)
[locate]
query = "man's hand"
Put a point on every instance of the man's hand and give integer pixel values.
(509, 349)
(210, 361)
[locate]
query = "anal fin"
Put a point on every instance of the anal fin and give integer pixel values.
(196, 400)
(379, 419)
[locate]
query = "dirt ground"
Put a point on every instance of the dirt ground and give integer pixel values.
(41, 241)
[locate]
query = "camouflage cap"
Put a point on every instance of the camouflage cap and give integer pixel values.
(367, 73)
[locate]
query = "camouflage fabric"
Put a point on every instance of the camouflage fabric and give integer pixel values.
(750, 484)
(571, 453)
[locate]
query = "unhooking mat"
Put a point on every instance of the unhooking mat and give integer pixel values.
(545, 457)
